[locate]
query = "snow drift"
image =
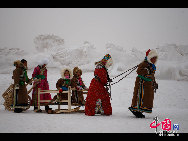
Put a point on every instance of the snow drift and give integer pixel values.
(172, 62)
(8, 56)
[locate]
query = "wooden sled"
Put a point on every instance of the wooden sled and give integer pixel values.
(60, 102)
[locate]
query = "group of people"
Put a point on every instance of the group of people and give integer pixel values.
(98, 97)
(39, 77)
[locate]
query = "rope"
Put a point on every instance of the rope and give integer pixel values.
(132, 69)
(125, 72)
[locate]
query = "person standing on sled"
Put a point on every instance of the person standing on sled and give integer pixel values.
(145, 85)
(98, 99)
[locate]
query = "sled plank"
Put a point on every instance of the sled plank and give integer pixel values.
(68, 100)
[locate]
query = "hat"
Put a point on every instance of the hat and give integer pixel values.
(17, 63)
(150, 54)
(43, 61)
(106, 61)
(106, 58)
(75, 70)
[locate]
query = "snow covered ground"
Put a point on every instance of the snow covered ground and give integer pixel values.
(171, 101)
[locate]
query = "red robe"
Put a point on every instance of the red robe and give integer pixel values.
(98, 91)
(43, 85)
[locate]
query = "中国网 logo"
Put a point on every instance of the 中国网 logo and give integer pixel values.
(165, 127)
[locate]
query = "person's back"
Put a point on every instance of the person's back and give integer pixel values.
(145, 85)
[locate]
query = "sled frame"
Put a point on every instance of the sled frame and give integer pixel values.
(59, 110)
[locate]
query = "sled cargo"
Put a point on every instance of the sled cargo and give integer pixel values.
(10, 99)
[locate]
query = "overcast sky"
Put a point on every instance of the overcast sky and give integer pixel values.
(140, 28)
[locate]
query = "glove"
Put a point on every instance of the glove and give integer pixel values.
(155, 86)
(107, 89)
(110, 80)
(60, 90)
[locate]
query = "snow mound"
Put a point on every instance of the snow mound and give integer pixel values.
(47, 42)
(7, 57)
(172, 62)
(61, 56)
(123, 59)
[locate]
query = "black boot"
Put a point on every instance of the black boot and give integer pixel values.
(47, 108)
(136, 113)
(18, 110)
(35, 108)
(140, 115)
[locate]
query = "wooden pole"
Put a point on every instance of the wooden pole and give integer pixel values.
(38, 98)
(14, 103)
(69, 98)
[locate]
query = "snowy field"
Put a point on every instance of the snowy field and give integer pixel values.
(80, 37)
(171, 101)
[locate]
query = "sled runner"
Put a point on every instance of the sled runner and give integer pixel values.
(59, 102)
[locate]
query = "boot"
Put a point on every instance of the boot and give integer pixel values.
(35, 108)
(38, 111)
(18, 110)
(140, 115)
(136, 113)
(47, 108)
(51, 111)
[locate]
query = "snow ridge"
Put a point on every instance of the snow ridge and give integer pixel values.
(172, 62)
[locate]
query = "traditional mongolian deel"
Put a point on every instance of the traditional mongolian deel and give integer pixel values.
(98, 99)
(40, 73)
(20, 77)
(63, 83)
(145, 85)
(78, 84)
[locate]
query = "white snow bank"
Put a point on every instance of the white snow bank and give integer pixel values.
(172, 62)
(122, 59)
(46, 42)
(7, 58)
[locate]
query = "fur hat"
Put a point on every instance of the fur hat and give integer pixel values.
(18, 63)
(44, 61)
(75, 70)
(63, 72)
(150, 54)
